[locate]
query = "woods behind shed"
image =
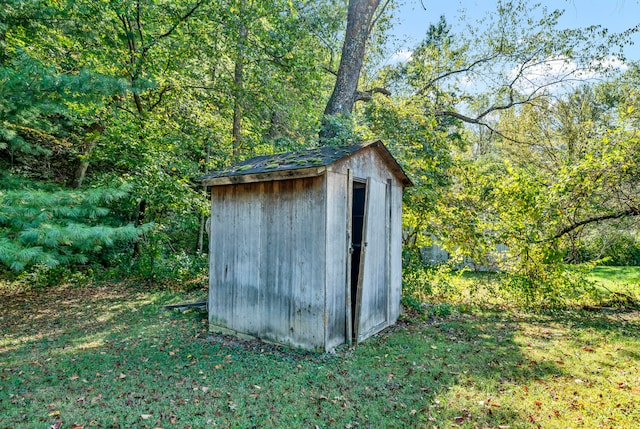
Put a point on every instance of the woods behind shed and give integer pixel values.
(305, 247)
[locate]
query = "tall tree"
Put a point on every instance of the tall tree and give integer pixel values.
(360, 21)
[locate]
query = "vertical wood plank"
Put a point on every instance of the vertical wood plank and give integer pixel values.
(335, 254)
(396, 251)
(387, 246)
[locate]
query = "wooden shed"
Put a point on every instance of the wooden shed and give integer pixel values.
(305, 247)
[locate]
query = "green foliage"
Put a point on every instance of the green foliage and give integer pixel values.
(341, 130)
(43, 276)
(151, 95)
(161, 262)
(416, 287)
(441, 310)
(53, 227)
(424, 283)
(550, 285)
(140, 95)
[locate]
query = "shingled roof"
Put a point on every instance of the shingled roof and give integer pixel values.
(307, 163)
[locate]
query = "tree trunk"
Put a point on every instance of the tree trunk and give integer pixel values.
(359, 19)
(238, 87)
(3, 41)
(203, 218)
(80, 173)
(236, 131)
(90, 140)
(142, 210)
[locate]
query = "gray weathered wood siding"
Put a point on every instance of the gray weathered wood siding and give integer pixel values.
(279, 253)
(374, 312)
(336, 245)
(395, 257)
(267, 261)
(382, 281)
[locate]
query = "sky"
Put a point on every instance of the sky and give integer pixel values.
(615, 15)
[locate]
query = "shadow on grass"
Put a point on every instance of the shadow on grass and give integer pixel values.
(110, 358)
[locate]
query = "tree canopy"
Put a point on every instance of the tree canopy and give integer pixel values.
(516, 132)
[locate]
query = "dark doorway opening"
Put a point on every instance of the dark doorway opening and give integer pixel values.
(357, 228)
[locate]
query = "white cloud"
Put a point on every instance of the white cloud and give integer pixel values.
(401, 56)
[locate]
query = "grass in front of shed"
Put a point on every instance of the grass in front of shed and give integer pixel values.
(109, 357)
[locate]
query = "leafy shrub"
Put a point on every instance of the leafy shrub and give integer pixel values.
(54, 226)
(441, 310)
(552, 285)
(614, 248)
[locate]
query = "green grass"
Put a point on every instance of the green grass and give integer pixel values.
(616, 277)
(110, 357)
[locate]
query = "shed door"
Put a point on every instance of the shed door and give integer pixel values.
(357, 227)
(371, 309)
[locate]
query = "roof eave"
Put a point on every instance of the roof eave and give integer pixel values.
(265, 176)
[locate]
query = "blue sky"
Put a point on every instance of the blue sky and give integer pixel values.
(615, 15)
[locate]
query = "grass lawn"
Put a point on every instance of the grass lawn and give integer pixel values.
(617, 277)
(110, 357)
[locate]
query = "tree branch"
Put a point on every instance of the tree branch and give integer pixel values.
(368, 94)
(173, 27)
(633, 211)
(373, 22)
(452, 72)
(161, 94)
(477, 121)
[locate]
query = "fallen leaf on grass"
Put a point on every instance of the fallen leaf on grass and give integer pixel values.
(145, 416)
